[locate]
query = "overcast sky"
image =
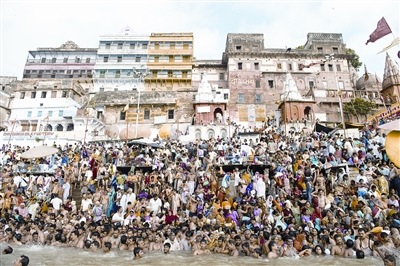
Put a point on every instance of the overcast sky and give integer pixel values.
(26, 25)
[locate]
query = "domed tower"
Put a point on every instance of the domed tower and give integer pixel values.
(369, 89)
(391, 82)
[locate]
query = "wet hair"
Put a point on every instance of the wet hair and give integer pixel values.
(360, 254)
(96, 243)
(167, 245)
(136, 251)
(258, 251)
(349, 243)
(390, 258)
(18, 237)
(24, 260)
(124, 238)
(8, 250)
(271, 244)
(107, 245)
(87, 243)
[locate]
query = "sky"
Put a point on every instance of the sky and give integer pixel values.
(26, 25)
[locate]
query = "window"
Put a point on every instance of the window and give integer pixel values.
(335, 50)
(185, 46)
(138, 58)
(54, 94)
(119, 46)
(254, 49)
(22, 95)
(322, 67)
(119, 60)
(338, 68)
(50, 114)
(256, 66)
(258, 98)
(172, 46)
(325, 84)
(226, 96)
(279, 66)
(27, 71)
(238, 48)
(184, 74)
(186, 58)
(44, 93)
(146, 114)
(156, 59)
(144, 46)
(240, 65)
(39, 113)
(330, 67)
(102, 73)
(65, 60)
(48, 71)
(108, 45)
(60, 113)
(122, 115)
(44, 60)
(115, 89)
(171, 59)
(221, 76)
(290, 66)
(77, 60)
(33, 94)
(311, 84)
(258, 83)
(101, 89)
(29, 113)
(270, 83)
(132, 46)
(241, 97)
(171, 113)
(118, 73)
(320, 50)
(170, 74)
(41, 104)
(341, 85)
(88, 60)
(53, 60)
(64, 94)
(105, 59)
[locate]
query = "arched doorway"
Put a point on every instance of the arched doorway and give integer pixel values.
(210, 133)
(70, 127)
(59, 127)
(197, 134)
(308, 115)
(49, 128)
(218, 115)
(224, 133)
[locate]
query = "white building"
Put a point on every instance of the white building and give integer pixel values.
(119, 59)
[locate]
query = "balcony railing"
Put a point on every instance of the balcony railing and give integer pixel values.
(57, 76)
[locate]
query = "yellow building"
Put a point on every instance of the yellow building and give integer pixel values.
(169, 64)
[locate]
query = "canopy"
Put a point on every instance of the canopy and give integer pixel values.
(394, 125)
(321, 128)
(392, 147)
(147, 142)
(39, 152)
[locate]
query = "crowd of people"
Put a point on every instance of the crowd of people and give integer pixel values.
(303, 202)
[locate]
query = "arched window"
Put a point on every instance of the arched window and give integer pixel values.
(49, 128)
(70, 127)
(59, 127)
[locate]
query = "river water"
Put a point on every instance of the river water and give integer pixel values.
(69, 256)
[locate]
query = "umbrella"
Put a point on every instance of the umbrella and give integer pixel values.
(164, 131)
(249, 150)
(38, 152)
(392, 147)
(147, 142)
(394, 125)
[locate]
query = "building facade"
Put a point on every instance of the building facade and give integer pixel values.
(120, 58)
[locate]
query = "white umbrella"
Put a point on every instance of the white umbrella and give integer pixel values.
(249, 150)
(393, 125)
(39, 152)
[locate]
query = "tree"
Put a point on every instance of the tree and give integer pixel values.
(300, 47)
(358, 106)
(355, 60)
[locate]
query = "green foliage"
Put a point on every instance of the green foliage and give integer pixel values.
(300, 47)
(359, 106)
(355, 60)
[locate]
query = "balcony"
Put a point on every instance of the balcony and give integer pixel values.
(168, 77)
(58, 76)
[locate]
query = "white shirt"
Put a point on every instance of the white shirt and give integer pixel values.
(85, 204)
(56, 203)
(155, 205)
